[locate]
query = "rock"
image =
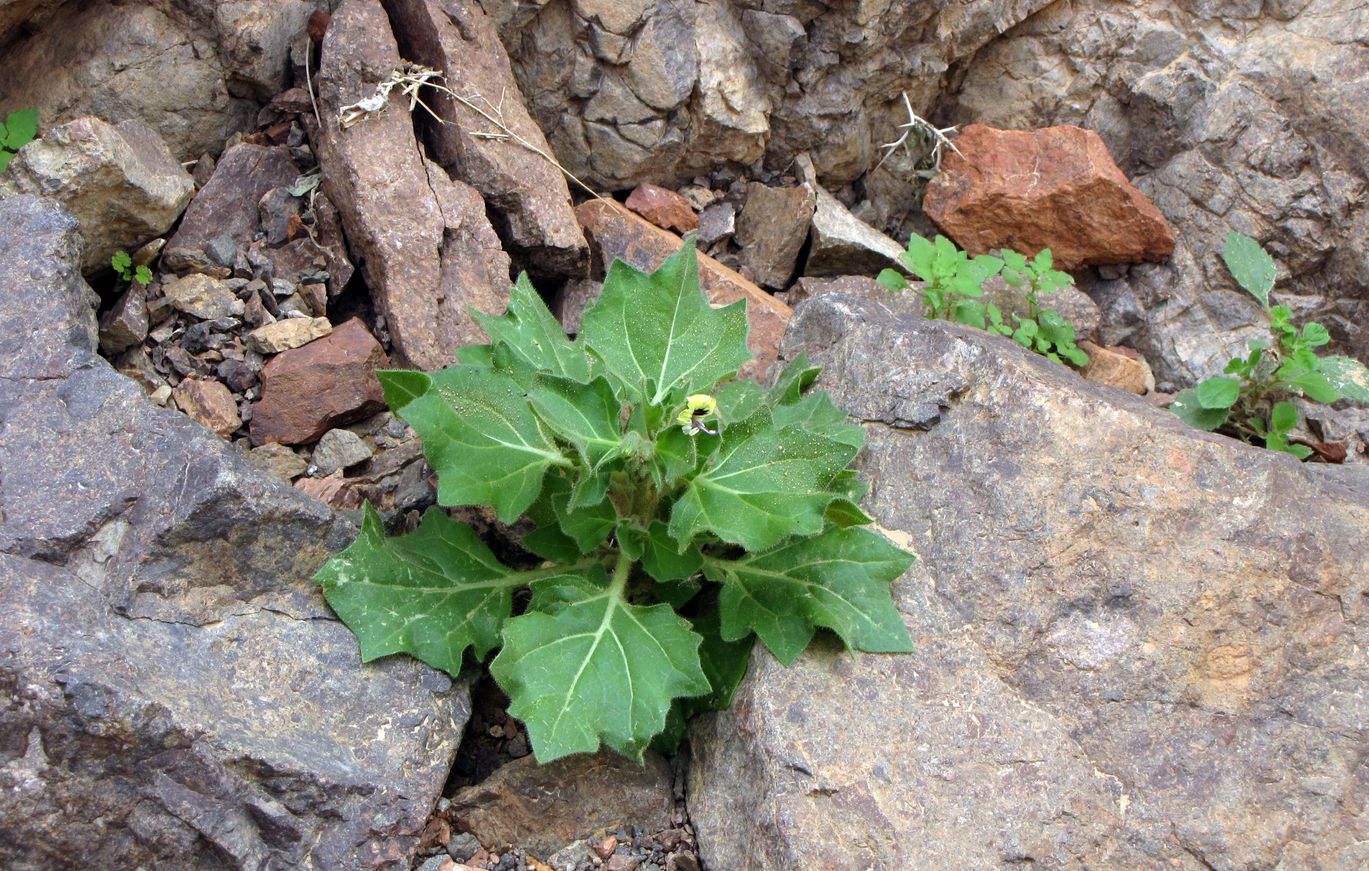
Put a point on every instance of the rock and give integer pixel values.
(545, 807)
(208, 403)
(170, 667)
(125, 324)
(202, 297)
(339, 449)
(228, 205)
(1117, 368)
(120, 182)
(572, 300)
(1055, 188)
(840, 243)
(1071, 303)
(717, 221)
(327, 383)
(335, 491)
(771, 230)
(664, 208)
(278, 460)
(1085, 680)
(1227, 119)
(527, 191)
(427, 246)
(614, 232)
(286, 334)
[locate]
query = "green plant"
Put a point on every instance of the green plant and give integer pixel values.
(644, 477)
(19, 128)
(124, 268)
(953, 291)
(1254, 404)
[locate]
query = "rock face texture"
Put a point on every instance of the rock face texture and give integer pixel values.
(428, 249)
(1227, 116)
(1053, 188)
(1137, 646)
(119, 181)
(643, 91)
(193, 70)
(528, 192)
(167, 664)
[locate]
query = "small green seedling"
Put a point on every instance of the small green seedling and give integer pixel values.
(678, 514)
(19, 129)
(123, 267)
(954, 287)
(1251, 400)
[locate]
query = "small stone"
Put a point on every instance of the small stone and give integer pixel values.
(771, 230)
(161, 395)
(1116, 367)
(222, 250)
(333, 490)
(316, 295)
(203, 297)
(842, 244)
(279, 460)
(664, 208)
(699, 197)
(276, 209)
(436, 863)
(203, 171)
(239, 375)
(255, 313)
(125, 325)
(208, 403)
(148, 252)
(287, 334)
(717, 221)
(622, 862)
(575, 296)
(462, 846)
(605, 848)
(682, 862)
(339, 449)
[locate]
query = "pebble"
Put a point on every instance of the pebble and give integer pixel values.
(209, 403)
(462, 846)
(287, 334)
(278, 460)
(202, 297)
(339, 449)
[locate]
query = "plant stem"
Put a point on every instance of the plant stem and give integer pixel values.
(621, 569)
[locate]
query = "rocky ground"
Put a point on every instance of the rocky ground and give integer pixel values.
(1153, 628)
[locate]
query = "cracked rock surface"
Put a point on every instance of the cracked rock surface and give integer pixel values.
(1137, 646)
(176, 692)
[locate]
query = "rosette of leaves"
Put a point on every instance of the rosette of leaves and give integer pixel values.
(19, 129)
(1251, 401)
(677, 515)
(122, 264)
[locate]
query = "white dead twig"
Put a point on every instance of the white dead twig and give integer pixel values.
(411, 77)
(925, 133)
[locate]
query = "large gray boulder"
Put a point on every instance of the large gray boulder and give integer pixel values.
(1229, 115)
(178, 694)
(1138, 646)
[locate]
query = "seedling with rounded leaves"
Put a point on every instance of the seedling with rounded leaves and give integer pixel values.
(677, 515)
(19, 129)
(1251, 400)
(122, 264)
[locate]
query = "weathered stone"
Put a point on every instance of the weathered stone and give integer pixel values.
(168, 665)
(717, 221)
(527, 191)
(1055, 188)
(228, 205)
(572, 300)
(287, 333)
(771, 230)
(339, 449)
(119, 181)
(208, 403)
(664, 208)
(327, 383)
(1069, 302)
(202, 297)
(427, 247)
(335, 491)
(616, 233)
(840, 243)
(1117, 368)
(125, 324)
(278, 460)
(545, 807)
(1095, 664)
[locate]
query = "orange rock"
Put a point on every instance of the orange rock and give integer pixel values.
(1055, 188)
(663, 207)
(209, 403)
(1122, 368)
(616, 233)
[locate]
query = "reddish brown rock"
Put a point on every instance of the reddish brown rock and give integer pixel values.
(663, 207)
(525, 188)
(616, 233)
(429, 250)
(208, 403)
(1054, 188)
(328, 382)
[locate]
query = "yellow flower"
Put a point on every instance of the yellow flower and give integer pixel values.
(698, 408)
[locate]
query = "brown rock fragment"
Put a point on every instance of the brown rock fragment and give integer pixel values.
(617, 233)
(1055, 188)
(771, 229)
(125, 324)
(208, 403)
(545, 807)
(1118, 367)
(288, 333)
(329, 382)
(663, 207)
